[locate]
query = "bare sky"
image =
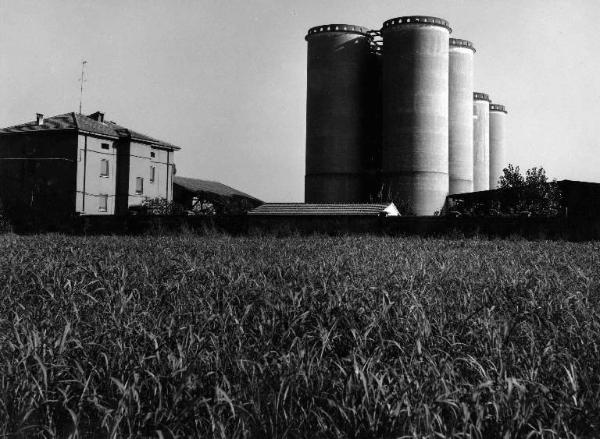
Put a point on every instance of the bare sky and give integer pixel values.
(226, 80)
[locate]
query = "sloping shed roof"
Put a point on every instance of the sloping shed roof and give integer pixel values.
(491, 194)
(197, 186)
(76, 121)
(568, 186)
(303, 209)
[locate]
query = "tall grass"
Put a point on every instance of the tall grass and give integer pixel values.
(298, 337)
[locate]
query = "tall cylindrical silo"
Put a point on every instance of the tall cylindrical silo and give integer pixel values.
(497, 143)
(339, 70)
(460, 116)
(481, 142)
(372, 161)
(415, 112)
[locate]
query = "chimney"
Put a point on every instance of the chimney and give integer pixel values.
(39, 117)
(98, 116)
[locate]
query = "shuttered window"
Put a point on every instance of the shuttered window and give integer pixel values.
(102, 203)
(139, 185)
(104, 168)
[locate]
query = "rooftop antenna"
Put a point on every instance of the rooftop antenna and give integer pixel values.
(82, 80)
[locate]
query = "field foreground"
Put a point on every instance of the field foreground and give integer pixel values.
(298, 337)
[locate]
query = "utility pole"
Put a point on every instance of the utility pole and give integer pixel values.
(82, 80)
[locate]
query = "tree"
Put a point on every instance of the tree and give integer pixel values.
(532, 194)
(511, 178)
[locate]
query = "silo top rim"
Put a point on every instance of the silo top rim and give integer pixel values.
(481, 97)
(498, 107)
(457, 42)
(415, 19)
(343, 28)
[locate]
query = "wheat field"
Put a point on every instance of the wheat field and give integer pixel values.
(352, 337)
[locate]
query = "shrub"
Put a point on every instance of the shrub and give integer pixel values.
(159, 206)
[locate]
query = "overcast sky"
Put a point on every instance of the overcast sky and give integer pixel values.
(226, 80)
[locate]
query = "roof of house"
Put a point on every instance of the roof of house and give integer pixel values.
(81, 122)
(295, 209)
(197, 186)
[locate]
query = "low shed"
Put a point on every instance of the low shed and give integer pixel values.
(577, 199)
(204, 196)
(580, 198)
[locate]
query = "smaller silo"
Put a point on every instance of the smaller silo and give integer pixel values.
(481, 142)
(460, 116)
(497, 143)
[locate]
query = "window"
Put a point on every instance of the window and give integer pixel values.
(152, 154)
(105, 146)
(152, 173)
(103, 168)
(139, 185)
(102, 203)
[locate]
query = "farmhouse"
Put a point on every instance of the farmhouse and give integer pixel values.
(71, 164)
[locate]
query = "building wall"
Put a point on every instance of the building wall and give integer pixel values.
(163, 184)
(141, 161)
(91, 186)
(38, 175)
(123, 159)
(55, 174)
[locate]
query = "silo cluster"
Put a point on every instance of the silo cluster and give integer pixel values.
(391, 114)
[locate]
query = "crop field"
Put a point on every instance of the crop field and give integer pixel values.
(349, 337)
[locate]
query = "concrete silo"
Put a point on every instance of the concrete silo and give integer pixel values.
(497, 143)
(372, 160)
(338, 113)
(415, 112)
(481, 142)
(460, 116)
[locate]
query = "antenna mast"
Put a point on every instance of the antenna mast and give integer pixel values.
(82, 80)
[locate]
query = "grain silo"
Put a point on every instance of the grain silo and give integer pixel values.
(497, 143)
(460, 116)
(481, 142)
(415, 111)
(338, 125)
(372, 162)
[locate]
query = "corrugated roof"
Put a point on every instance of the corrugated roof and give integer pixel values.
(199, 186)
(295, 209)
(76, 121)
(90, 125)
(123, 131)
(61, 122)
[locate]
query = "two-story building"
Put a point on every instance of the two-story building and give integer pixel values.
(76, 164)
